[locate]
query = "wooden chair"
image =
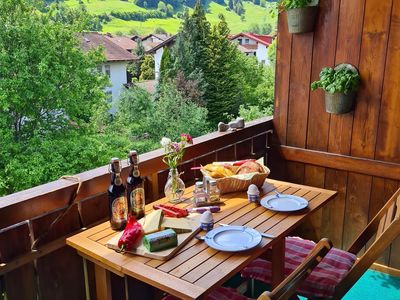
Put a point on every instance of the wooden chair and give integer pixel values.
(288, 287)
(385, 226)
(383, 229)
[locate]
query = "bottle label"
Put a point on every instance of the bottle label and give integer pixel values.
(137, 200)
(119, 209)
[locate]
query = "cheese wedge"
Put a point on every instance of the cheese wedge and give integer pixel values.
(179, 225)
(152, 221)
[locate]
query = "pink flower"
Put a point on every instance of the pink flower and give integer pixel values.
(176, 147)
(186, 138)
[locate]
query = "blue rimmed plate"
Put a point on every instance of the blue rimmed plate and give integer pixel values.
(284, 203)
(233, 238)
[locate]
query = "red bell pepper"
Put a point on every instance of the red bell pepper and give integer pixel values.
(172, 211)
(132, 235)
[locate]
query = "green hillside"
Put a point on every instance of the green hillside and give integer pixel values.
(254, 14)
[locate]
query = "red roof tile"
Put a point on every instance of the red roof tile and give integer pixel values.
(261, 38)
(123, 41)
(112, 52)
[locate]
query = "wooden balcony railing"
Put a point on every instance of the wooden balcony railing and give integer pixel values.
(53, 270)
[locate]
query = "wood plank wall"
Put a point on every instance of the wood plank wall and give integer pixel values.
(365, 33)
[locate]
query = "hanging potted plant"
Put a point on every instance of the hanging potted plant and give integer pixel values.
(301, 14)
(340, 85)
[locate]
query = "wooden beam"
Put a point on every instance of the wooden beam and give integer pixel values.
(342, 162)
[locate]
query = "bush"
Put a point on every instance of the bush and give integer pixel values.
(139, 15)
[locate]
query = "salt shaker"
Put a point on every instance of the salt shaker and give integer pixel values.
(206, 221)
(199, 196)
(253, 194)
(213, 192)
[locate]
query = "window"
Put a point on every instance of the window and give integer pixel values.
(107, 70)
(246, 41)
(99, 69)
(240, 41)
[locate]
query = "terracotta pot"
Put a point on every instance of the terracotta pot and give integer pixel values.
(339, 103)
(302, 19)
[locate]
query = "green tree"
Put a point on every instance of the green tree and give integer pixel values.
(49, 95)
(47, 83)
(175, 114)
(223, 90)
(193, 42)
(147, 68)
(79, 16)
(162, 7)
(166, 65)
(135, 67)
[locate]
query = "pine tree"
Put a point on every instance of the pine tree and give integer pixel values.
(223, 90)
(191, 50)
(230, 4)
(166, 66)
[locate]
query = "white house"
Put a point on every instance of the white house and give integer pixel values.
(115, 66)
(152, 40)
(253, 44)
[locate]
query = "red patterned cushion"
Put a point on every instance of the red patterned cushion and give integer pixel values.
(220, 293)
(323, 279)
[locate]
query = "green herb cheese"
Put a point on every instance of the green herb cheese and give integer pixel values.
(160, 240)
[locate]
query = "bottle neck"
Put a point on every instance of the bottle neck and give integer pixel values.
(116, 178)
(134, 171)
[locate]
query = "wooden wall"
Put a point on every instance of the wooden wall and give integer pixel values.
(365, 33)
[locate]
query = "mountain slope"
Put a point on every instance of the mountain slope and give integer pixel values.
(254, 14)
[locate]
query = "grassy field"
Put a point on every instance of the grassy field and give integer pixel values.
(254, 15)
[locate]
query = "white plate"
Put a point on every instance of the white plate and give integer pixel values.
(284, 203)
(233, 238)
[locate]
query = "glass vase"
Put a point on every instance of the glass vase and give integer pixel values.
(174, 187)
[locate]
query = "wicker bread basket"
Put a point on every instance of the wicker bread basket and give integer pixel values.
(238, 183)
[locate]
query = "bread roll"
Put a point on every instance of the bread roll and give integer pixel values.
(250, 167)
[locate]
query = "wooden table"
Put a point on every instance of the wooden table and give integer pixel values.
(196, 269)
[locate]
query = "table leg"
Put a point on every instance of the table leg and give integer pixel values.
(278, 263)
(103, 283)
(86, 277)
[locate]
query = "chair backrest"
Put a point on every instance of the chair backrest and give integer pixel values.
(289, 286)
(385, 226)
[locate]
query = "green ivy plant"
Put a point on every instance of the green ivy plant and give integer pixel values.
(290, 4)
(343, 80)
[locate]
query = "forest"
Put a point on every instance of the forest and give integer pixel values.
(54, 116)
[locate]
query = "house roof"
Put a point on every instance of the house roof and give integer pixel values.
(124, 42)
(261, 38)
(161, 37)
(112, 52)
(170, 41)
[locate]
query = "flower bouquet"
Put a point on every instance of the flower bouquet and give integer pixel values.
(175, 187)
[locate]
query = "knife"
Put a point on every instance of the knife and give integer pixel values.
(266, 235)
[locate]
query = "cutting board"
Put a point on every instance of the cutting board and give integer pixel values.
(183, 238)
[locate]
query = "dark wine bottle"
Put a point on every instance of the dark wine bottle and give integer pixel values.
(117, 203)
(135, 187)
